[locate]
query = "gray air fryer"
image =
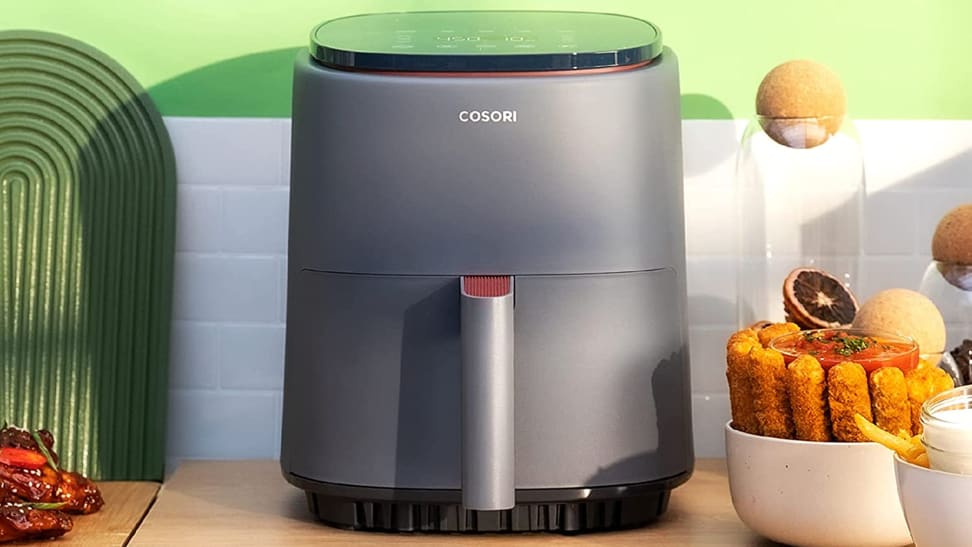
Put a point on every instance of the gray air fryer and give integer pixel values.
(486, 313)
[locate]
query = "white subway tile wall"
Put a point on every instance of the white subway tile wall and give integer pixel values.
(892, 224)
(227, 287)
(230, 283)
(194, 355)
(224, 424)
(228, 309)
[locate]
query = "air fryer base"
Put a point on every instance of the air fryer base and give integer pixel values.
(563, 510)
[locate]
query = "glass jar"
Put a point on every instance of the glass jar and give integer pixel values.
(949, 286)
(800, 192)
(946, 421)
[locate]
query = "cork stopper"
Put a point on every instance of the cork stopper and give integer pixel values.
(952, 241)
(952, 246)
(801, 103)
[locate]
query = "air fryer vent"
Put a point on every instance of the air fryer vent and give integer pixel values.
(574, 517)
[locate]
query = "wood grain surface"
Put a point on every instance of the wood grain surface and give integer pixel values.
(125, 505)
(249, 503)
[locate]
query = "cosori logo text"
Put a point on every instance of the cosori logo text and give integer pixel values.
(487, 116)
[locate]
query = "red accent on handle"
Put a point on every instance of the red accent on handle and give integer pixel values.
(487, 285)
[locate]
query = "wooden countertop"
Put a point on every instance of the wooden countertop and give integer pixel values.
(249, 503)
(126, 503)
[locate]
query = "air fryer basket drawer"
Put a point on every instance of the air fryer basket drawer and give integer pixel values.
(372, 388)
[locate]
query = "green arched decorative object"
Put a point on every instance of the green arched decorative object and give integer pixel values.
(87, 221)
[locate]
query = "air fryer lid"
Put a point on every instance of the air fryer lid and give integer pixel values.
(485, 41)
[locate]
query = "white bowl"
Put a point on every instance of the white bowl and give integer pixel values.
(936, 504)
(815, 493)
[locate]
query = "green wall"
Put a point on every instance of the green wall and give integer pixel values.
(899, 59)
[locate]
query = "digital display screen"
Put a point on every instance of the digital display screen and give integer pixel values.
(486, 40)
(470, 32)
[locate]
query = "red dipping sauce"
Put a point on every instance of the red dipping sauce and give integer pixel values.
(831, 346)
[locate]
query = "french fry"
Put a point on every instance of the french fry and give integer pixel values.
(916, 443)
(908, 449)
(921, 459)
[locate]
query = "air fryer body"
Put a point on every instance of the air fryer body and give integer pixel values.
(394, 198)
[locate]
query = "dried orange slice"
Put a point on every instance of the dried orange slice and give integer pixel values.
(814, 299)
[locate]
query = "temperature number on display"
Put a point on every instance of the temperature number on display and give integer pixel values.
(460, 38)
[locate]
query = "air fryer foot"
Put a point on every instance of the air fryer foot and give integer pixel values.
(573, 517)
(566, 510)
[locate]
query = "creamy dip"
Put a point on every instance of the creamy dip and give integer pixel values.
(948, 438)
